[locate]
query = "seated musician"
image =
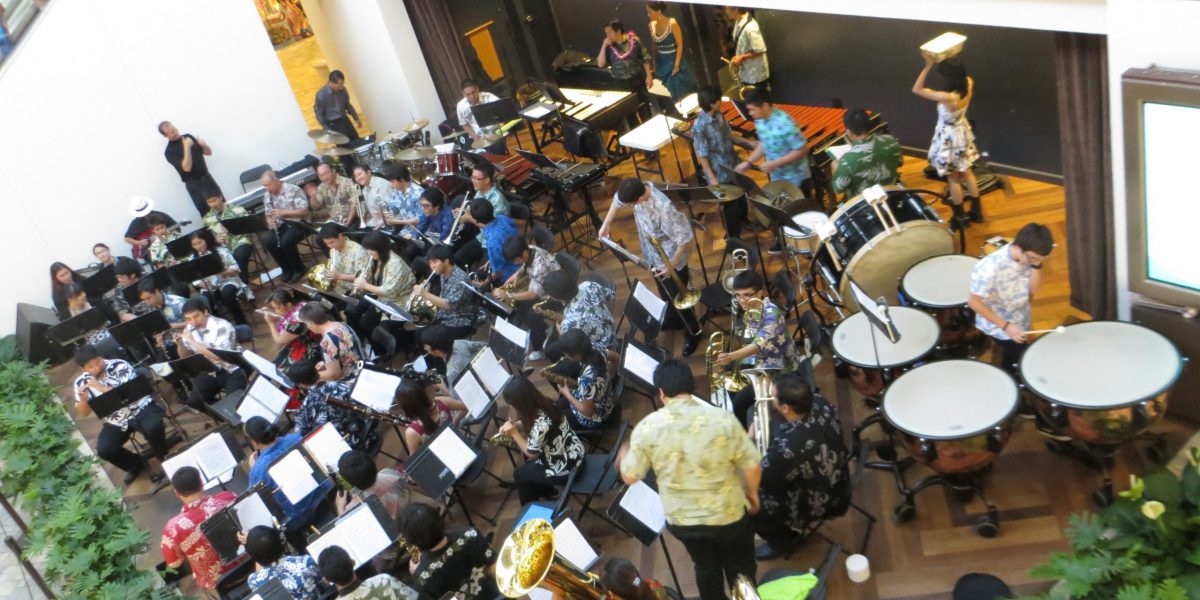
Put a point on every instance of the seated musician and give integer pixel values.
(402, 210)
(589, 402)
(338, 568)
(347, 258)
(630, 59)
(534, 264)
(435, 222)
(769, 344)
(60, 277)
(77, 304)
(387, 278)
(714, 141)
(225, 287)
(585, 307)
(375, 193)
(317, 409)
(623, 582)
(163, 232)
(781, 143)
(542, 432)
(453, 353)
(285, 206)
(181, 536)
(873, 158)
(295, 341)
(269, 445)
(138, 234)
(427, 414)
(337, 198)
(155, 298)
(457, 308)
(458, 561)
(204, 333)
(341, 352)
(388, 485)
(297, 572)
(494, 230)
(467, 249)
(472, 96)
(804, 474)
(656, 216)
(128, 274)
(144, 416)
(239, 245)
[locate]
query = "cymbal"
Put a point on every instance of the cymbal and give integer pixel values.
(454, 134)
(417, 125)
(486, 141)
(416, 153)
(335, 151)
(780, 187)
(396, 136)
(321, 136)
(725, 193)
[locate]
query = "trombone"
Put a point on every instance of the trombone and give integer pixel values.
(685, 297)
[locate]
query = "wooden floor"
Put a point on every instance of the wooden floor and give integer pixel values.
(1035, 490)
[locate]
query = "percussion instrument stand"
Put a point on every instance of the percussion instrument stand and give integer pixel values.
(1103, 458)
(963, 484)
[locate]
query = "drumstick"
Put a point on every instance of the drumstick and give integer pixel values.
(1058, 329)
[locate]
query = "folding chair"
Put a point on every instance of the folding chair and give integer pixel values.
(860, 460)
(595, 477)
(519, 212)
(477, 469)
(541, 237)
(252, 176)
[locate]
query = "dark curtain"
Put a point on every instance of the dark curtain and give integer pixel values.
(441, 45)
(1081, 65)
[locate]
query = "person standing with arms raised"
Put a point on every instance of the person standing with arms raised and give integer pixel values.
(186, 154)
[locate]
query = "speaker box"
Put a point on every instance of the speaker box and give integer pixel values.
(32, 341)
(1184, 400)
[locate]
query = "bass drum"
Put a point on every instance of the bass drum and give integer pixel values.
(875, 257)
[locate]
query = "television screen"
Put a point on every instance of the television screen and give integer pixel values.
(1172, 208)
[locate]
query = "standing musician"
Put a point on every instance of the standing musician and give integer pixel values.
(387, 278)
(804, 474)
(873, 158)
(457, 308)
(781, 142)
(494, 231)
(770, 346)
(337, 198)
(316, 409)
(589, 403)
(347, 258)
(225, 286)
(657, 217)
(239, 245)
(341, 352)
(630, 59)
(163, 232)
(284, 203)
(585, 306)
(714, 141)
(402, 210)
(375, 194)
(473, 97)
(749, 60)
(534, 264)
(331, 106)
(469, 248)
(186, 154)
(436, 221)
(204, 333)
(138, 234)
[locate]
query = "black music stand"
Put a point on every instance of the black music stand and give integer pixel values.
(617, 247)
(490, 303)
(121, 396)
(434, 476)
(496, 113)
(635, 523)
(99, 283)
(233, 357)
(162, 281)
(131, 293)
(247, 225)
(191, 366)
(140, 330)
(503, 339)
(194, 270)
(181, 246)
(78, 327)
(642, 313)
(222, 527)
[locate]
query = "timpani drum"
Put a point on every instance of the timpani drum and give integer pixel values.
(1101, 382)
(954, 415)
(805, 240)
(874, 255)
(852, 346)
(941, 286)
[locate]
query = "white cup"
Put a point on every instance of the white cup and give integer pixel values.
(858, 568)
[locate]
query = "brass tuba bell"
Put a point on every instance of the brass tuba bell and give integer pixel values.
(743, 589)
(527, 561)
(739, 260)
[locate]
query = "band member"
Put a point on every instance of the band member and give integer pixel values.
(952, 151)
(1003, 284)
(341, 352)
(427, 414)
(708, 473)
(534, 264)
(337, 198)
(159, 254)
(143, 416)
(375, 193)
(239, 245)
(494, 231)
(670, 66)
(804, 474)
(387, 485)
(225, 286)
(749, 58)
(585, 307)
(714, 141)
(181, 536)
(589, 403)
(629, 58)
(284, 204)
(458, 561)
(457, 307)
(186, 154)
(657, 217)
(298, 573)
(338, 568)
(387, 278)
(435, 222)
(454, 352)
(103, 255)
(347, 258)
(295, 341)
(153, 298)
(872, 159)
(469, 246)
(402, 210)
(623, 582)
(360, 432)
(781, 143)
(269, 445)
(483, 184)
(769, 344)
(138, 234)
(203, 334)
(543, 434)
(77, 304)
(331, 106)
(60, 277)
(472, 96)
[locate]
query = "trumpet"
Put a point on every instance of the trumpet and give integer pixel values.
(423, 311)
(456, 227)
(366, 270)
(764, 394)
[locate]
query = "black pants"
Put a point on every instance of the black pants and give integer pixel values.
(227, 297)
(363, 317)
(735, 214)
(720, 553)
(200, 189)
(297, 530)
(533, 484)
(241, 255)
(468, 254)
(743, 404)
(343, 126)
(206, 386)
(1009, 353)
(774, 531)
(677, 319)
(282, 243)
(523, 316)
(110, 446)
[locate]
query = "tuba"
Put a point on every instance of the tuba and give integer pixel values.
(527, 561)
(722, 384)
(743, 589)
(764, 394)
(739, 260)
(423, 311)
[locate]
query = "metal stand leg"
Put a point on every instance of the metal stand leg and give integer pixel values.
(670, 563)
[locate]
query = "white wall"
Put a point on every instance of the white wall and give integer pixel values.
(79, 103)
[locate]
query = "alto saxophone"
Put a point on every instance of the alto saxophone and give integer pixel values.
(563, 372)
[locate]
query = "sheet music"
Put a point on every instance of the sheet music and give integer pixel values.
(837, 151)
(639, 363)
(570, 544)
(363, 532)
(329, 539)
(452, 451)
(540, 594)
(536, 111)
(326, 446)
(469, 391)
(420, 365)
(511, 332)
(689, 103)
(649, 300)
(392, 312)
(251, 512)
(214, 457)
(262, 400)
(294, 477)
(264, 366)
(179, 461)
(490, 372)
(375, 389)
(645, 505)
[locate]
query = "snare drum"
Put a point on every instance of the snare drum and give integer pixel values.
(940, 286)
(447, 163)
(806, 243)
(955, 415)
(1101, 382)
(852, 346)
(874, 256)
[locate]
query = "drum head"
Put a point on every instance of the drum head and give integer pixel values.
(878, 266)
(941, 281)
(1101, 365)
(918, 335)
(950, 399)
(811, 220)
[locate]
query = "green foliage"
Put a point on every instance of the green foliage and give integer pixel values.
(90, 541)
(1145, 546)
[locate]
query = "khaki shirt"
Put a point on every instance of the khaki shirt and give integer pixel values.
(335, 200)
(397, 281)
(349, 261)
(698, 452)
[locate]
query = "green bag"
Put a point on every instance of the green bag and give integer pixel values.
(795, 587)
